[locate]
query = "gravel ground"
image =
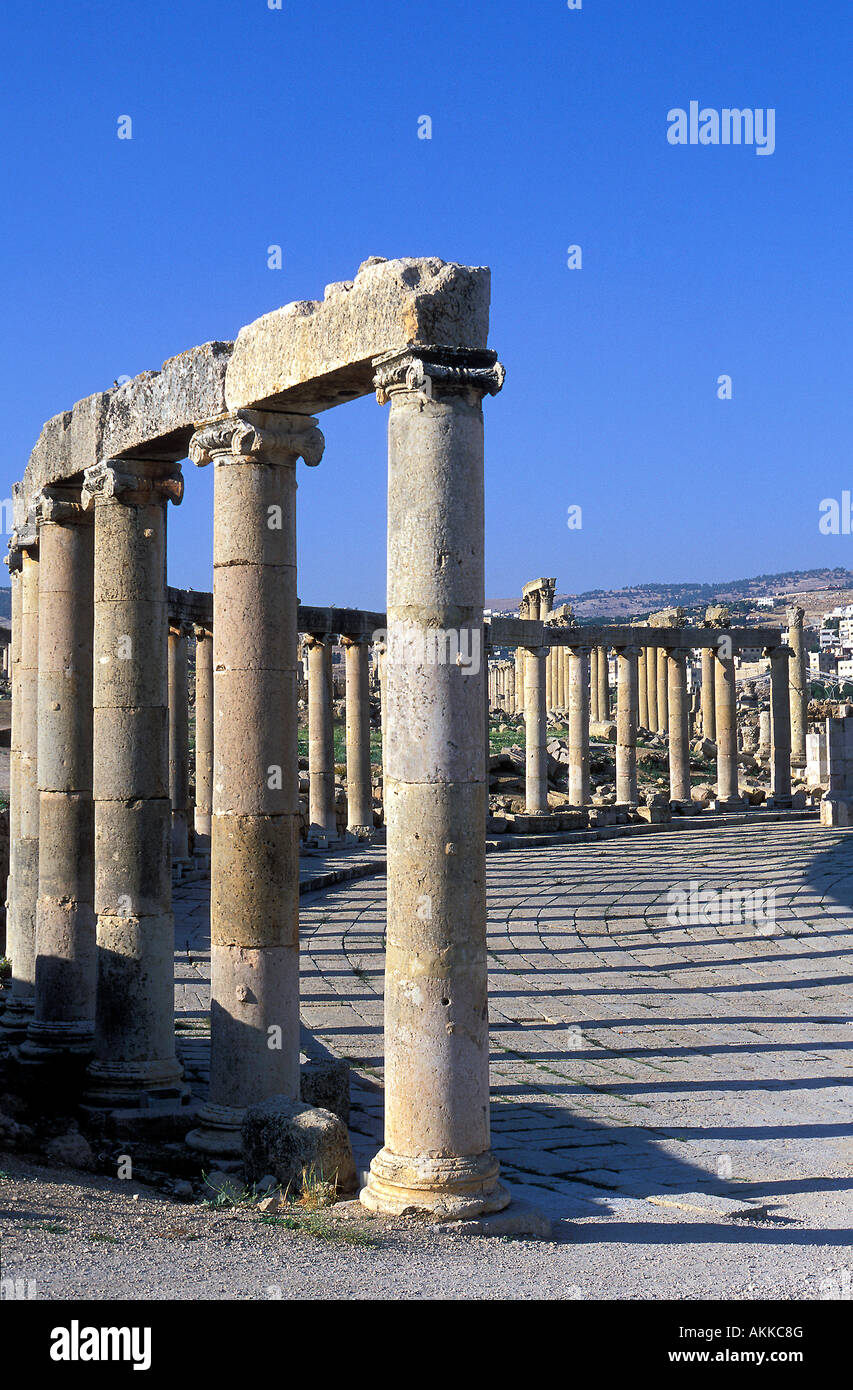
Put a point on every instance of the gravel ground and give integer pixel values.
(77, 1235)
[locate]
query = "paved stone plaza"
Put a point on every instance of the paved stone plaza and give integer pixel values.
(705, 1066)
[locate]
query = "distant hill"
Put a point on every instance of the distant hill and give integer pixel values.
(825, 588)
(5, 602)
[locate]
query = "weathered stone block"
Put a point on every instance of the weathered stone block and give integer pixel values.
(292, 1141)
(324, 1083)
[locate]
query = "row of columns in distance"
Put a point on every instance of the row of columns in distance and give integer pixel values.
(720, 677)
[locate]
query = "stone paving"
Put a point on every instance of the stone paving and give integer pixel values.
(636, 1058)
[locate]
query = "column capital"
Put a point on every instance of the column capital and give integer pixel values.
(356, 639)
(319, 639)
(135, 482)
(258, 436)
(628, 649)
(201, 633)
(537, 651)
(420, 370)
(23, 538)
(60, 505)
(180, 627)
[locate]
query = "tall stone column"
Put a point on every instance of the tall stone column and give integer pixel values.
(593, 683)
(579, 694)
(437, 1153)
(321, 738)
(519, 680)
(799, 697)
(135, 1066)
(510, 678)
(24, 790)
(603, 685)
(642, 689)
(626, 728)
(65, 970)
(679, 731)
(535, 753)
(725, 700)
(179, 740)
(709, 720)
(663, 690)
(765, 734)
(652, 687)
(359, 790)
(203, 735)
(254, 890)
(14, 562)
(780, 726)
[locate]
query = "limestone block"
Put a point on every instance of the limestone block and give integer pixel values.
(164, 406)
(324, 1083)
(312, 355)
(288, 1139)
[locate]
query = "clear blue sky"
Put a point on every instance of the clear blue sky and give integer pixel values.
(299, 126)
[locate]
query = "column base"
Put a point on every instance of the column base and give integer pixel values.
(685, 808)
(360, 832)
(15, 1021)
(449, 1189)
(729, 803)
(778, 803)
(50, 1042)
(218, 1135)
(836, 811)
(146, 1088)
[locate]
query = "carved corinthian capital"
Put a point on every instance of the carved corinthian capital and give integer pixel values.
(58, 505)
(423, 369)
(261, 436)
(133, 480)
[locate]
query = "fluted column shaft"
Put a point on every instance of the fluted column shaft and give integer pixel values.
(626, 727)
(437, 1153)
(359, 790)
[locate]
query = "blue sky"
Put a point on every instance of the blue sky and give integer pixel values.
(298, 127)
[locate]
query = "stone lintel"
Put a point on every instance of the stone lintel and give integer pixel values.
(342, 622)
(315, 354)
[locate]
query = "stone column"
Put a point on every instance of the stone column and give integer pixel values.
(626, 729)
(437, 1153)
(254, 890)
(725, 701)
(709, 721)
(594, 687)
(765, 737)
(510, 679)
(179, 741)
(24, 790)
(579, 693)
(780, 726)
(535, 754)
(836, 805)
(652, 687)
(65, 970)
(359, 791)
(798, 687)
(642, 689)
(321, 739)
(519, 680)
(135, 1066)
(679, 731)
(603, 685)
(203, 735)
(14, 562)
(663, 690)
